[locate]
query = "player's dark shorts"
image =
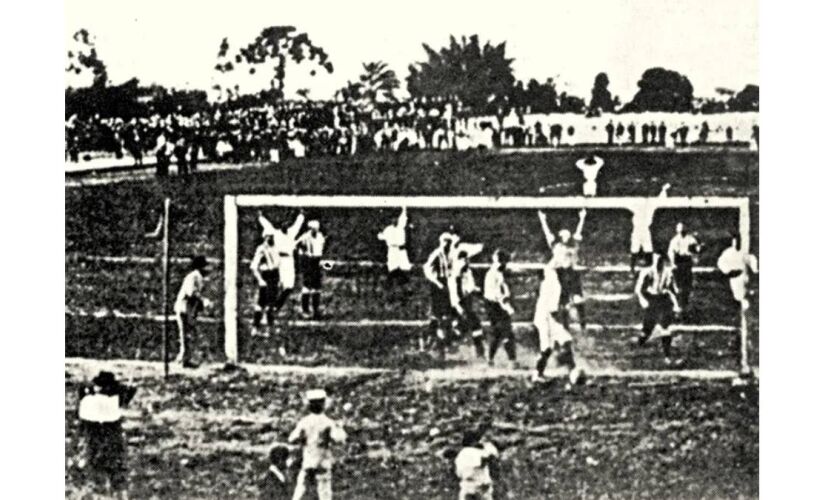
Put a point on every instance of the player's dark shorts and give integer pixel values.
(105, 449)
(500, 321)
(268, 295)
(683, 271)
(571, 283)
(469, 321)
(659, 312)
(440, 306)
(312, 273)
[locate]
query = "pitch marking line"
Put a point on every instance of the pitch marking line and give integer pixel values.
(516, 266)
(402, 323)
(139, 368)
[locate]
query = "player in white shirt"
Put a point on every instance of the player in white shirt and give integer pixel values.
(735, 265)
(311, 248)
(472, 467)
(590, 167)
(657, 294)
(264, 267)
(316, 433)
(398, 262)
(548, 320)
(499, 307)
(189, 303)
(641, 240)
(682, 251)
(565, 251)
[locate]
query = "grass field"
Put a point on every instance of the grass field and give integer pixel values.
(205, 436)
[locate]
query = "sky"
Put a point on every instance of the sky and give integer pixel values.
(175, 42)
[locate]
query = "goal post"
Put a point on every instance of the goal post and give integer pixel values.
(233, 202)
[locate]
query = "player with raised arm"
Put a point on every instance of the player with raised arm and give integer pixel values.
(683, 251)
(264, 267)
(437, 271)
(657, 294)
(499, 307)
(311, 249)
(641, 240)
(590, 167)
(398, 262)
(286, 239)
(565, 251)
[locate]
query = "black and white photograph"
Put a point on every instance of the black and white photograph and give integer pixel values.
(412, 250)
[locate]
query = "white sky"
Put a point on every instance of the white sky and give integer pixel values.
(175, 43)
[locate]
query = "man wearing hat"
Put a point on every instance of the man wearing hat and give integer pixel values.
(101, 431)
(311, 249)
(285, 242)
(473, 466)
(189, 303)
(264, 266)
(274, 485)
(316, 434)
(437, 272)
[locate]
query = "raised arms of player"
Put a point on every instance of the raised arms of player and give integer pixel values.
(548, 234)
(295, 228)
(578, 234)
(402, 219)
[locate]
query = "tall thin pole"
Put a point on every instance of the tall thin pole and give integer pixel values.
(745, 244)
(166, 204)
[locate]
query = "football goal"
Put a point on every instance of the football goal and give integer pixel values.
(351, 224)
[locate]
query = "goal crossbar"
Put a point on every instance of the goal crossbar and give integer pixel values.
(233, 202)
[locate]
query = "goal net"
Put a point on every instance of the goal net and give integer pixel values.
(712, 333)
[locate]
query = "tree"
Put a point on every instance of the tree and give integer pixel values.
(480, 76)
(662, 90)
(601, 99)
(83, 56)
(746, 100)
(571, 103)
(274, 43)
(376, 84)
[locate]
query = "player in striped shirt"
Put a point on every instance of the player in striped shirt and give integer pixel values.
(657, 294)
(462, 288)
(264, 267)
(437, 271)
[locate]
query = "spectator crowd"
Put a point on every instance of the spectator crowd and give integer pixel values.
(270, 133)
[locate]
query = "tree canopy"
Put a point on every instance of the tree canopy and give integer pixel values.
(662, 90)
(600, 98)
(478, 75)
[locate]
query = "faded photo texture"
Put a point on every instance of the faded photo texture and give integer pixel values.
(425, 250)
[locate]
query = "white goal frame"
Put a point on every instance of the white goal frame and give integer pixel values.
(231, 203)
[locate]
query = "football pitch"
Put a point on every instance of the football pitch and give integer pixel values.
(206, 434)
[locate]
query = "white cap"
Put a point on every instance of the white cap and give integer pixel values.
(316, 395)
(314, 224)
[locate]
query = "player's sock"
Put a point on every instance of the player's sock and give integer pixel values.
(478, 343)
(633, 258)
(666, 342)
(316, 303)
(510, 349)
(566, 356)
(582, 318)
(305, 303)
(270, 317)
(257, 317)
(541, 364)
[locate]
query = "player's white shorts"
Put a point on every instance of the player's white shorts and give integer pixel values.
(552, 334)
(397, 258)
(589, 188)
(641, 241)
(286, 272)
